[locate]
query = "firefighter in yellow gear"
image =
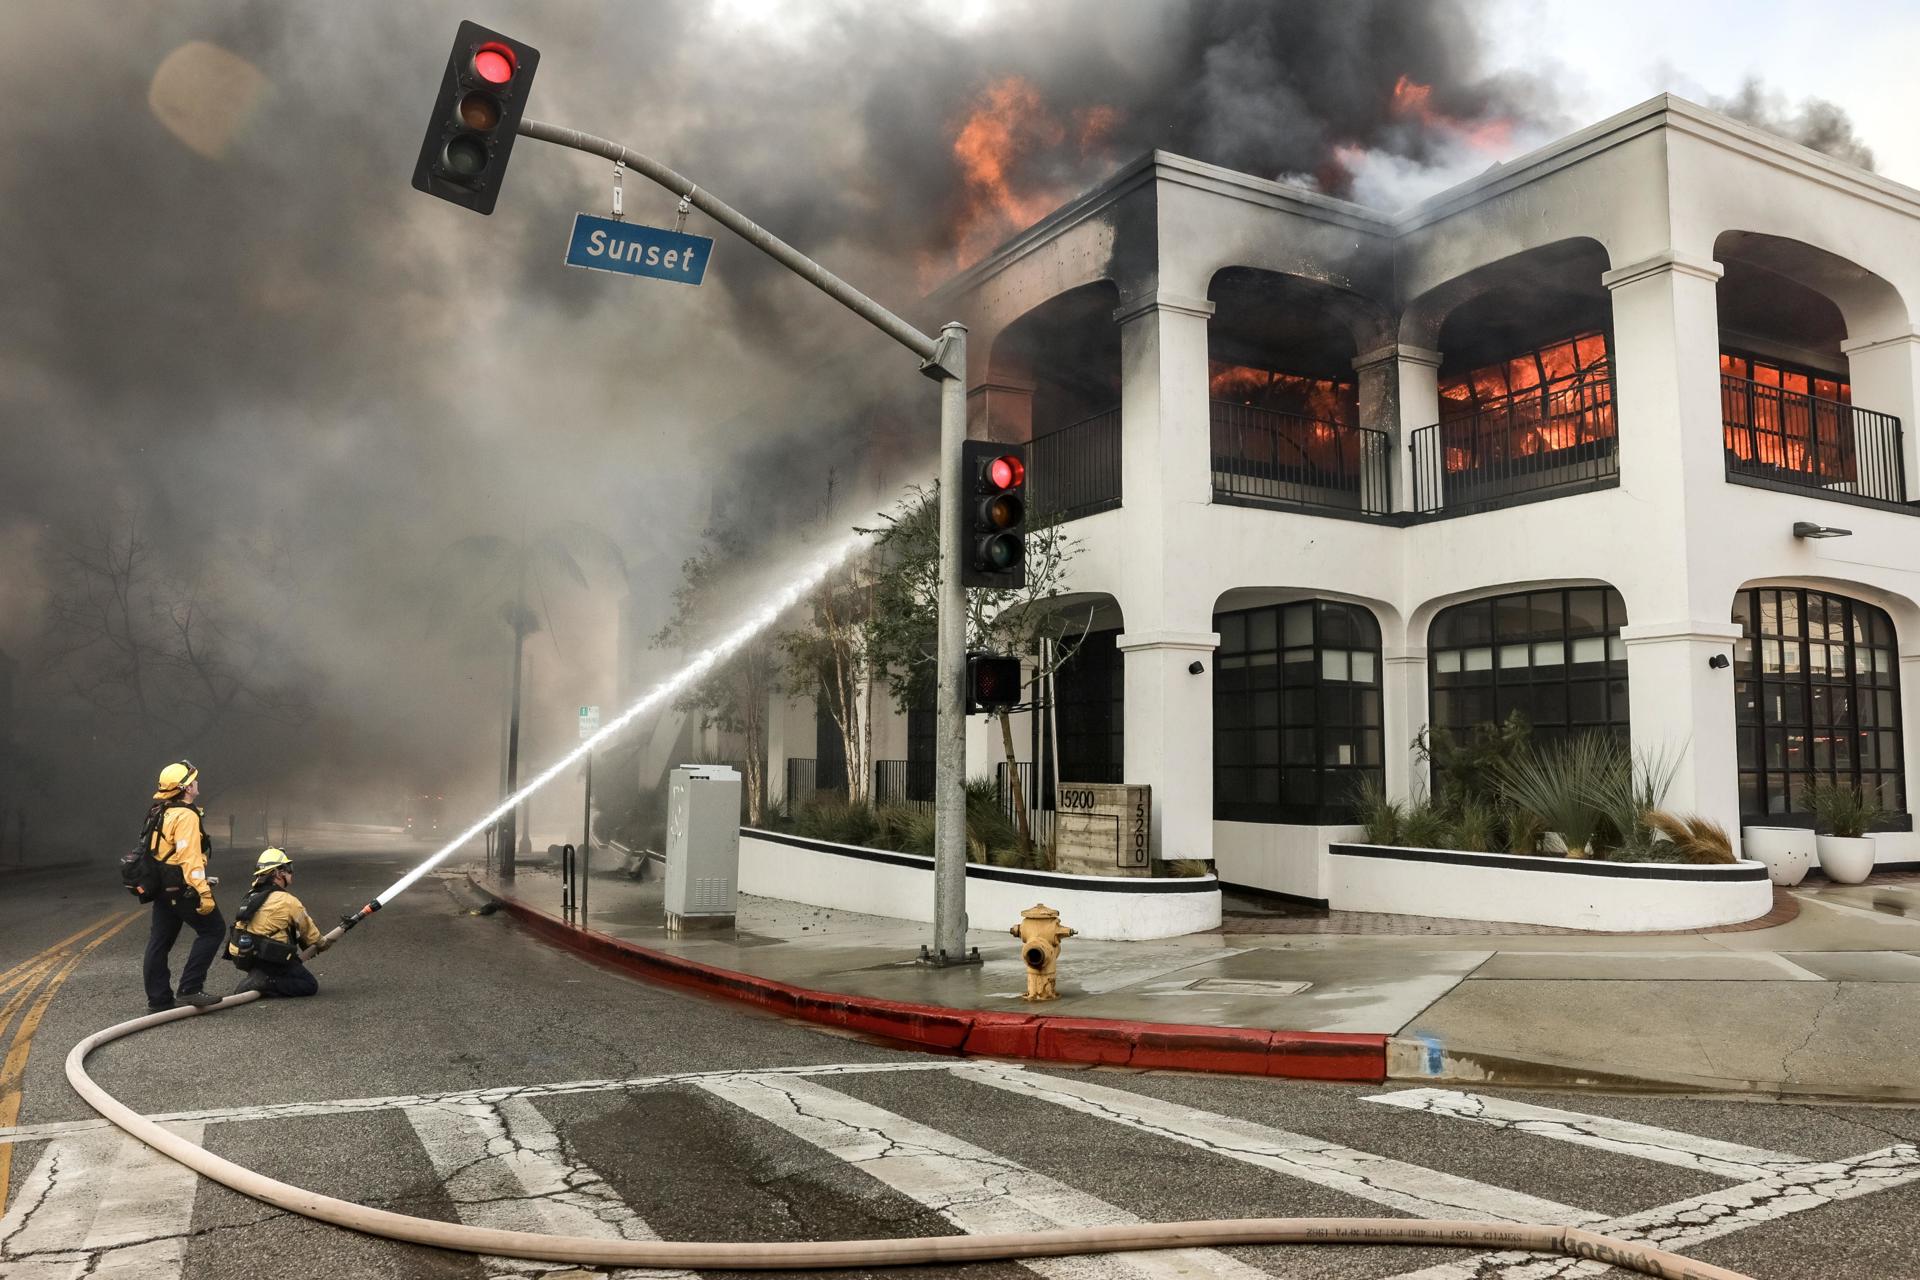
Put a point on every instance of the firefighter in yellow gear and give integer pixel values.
(180, 845)
(270, 929)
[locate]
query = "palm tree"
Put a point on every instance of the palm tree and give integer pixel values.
(488, 576)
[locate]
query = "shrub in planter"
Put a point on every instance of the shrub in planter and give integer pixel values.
(1691, 837)
(1562, 784)
(1844, 815)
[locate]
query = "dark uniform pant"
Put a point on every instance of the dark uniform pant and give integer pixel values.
(209, 931)
(290, 979)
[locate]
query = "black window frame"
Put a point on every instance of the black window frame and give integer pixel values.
(1763, 783)
(1254, 779)
(1090, 695)
(1551, 706)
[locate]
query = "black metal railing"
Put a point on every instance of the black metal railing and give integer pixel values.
(1039, 807)
(903, 781)
(1280, 459)
(1525, 446)
(803, 786)
(1075, 471)
(1802, 440)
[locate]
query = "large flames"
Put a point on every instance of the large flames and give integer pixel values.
(1008, 148)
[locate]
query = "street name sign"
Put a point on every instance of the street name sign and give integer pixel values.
(634, 249)
(589, 722)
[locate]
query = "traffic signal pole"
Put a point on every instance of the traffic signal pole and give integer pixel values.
(943, 359)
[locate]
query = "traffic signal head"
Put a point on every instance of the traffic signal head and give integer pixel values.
(993, 683)
(993, 547)
(476, 117)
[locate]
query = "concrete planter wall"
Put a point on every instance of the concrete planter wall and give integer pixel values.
(881, 882)
(1613, 897)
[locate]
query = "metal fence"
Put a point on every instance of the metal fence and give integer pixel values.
(1803, 440)
(903, 782)
(1039, 807)
(803, 786)
(1530, 444)
(1289, 460)
(1075, 471)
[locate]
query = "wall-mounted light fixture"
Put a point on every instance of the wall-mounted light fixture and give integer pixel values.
(1718, 662)
(1808, 529)
(1195, 667)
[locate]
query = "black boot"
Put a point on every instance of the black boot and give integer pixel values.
(198, 999)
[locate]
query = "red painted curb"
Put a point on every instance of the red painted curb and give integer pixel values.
(1298, 1055)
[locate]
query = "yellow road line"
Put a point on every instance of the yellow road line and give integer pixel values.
(13, 1068)
(7, 976)
(31, 980)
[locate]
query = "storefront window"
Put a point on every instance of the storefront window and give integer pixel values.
(1817, 695)
(1296, 711)
(1553, 656)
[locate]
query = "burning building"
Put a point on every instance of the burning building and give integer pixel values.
(1551, 441)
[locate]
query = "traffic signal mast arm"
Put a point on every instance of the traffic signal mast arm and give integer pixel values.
(944, 359)
(930, 350)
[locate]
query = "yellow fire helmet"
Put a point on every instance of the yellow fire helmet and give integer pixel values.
(271, 860)
(175, 777)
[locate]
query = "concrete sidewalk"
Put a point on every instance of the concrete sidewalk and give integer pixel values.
(1827, 1003)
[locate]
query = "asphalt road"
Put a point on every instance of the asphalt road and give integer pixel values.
(794, 1133)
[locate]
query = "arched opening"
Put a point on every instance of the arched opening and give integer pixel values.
(1786, 392)
(1053, 382)
(1525, 382)
(1553, 655)
(1284, 395)
(1297, 715)
(1816, 697)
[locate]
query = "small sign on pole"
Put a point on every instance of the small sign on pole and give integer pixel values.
(635, 249)
(589, 722)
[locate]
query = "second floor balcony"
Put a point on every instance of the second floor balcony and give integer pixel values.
(1519, 449)
(1777, 436)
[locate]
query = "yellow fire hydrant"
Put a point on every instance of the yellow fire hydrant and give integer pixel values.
(1040, 933)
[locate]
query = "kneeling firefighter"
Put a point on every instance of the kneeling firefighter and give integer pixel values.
(269, 930)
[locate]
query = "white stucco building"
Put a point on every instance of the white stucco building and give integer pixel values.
(1539, 442)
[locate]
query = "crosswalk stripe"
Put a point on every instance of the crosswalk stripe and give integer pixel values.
(1604, 1133)
(1408, 1188)
(504, 1165)
(100, 1205)
(351, 1106)
(972, 1188)
(1686, 1223)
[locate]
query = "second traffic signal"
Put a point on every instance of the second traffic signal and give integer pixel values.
(476, 116)
(993, 543)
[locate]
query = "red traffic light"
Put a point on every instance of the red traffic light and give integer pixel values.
(493, 63)
(1006, 472)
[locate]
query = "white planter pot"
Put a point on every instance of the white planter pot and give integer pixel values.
(1787, 851)
(1846, 859)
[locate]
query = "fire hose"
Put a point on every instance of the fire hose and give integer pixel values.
(814, 1254)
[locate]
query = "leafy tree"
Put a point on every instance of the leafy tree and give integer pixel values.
(735, 695)
(163, 652)
(830, 652)
(1025, 621)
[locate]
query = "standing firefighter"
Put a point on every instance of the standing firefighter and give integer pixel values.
(270, 929)
(182, 894)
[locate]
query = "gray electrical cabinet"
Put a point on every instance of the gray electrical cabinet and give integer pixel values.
(703, 846)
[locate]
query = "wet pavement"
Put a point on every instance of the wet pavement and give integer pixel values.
(1825, 1002)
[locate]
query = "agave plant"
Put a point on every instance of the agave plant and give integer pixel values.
(1633, 787)
(1559, 784)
